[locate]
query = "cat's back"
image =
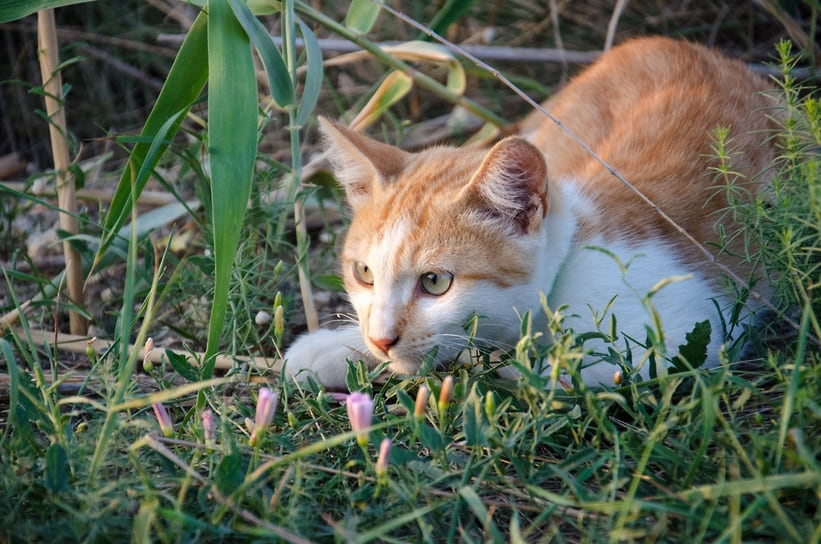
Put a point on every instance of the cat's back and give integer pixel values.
(650, 108)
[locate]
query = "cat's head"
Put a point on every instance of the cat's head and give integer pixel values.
(436, 238)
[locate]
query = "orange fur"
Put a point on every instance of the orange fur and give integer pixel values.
(649, 108)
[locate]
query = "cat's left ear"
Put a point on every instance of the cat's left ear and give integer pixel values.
(511, 185)
(358, 162)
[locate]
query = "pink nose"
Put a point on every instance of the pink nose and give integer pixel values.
(384, 344)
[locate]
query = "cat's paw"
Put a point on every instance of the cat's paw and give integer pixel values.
(323, 354)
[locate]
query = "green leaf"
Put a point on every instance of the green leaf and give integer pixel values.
(181, 88)
(695, 350)
(430, 438)
(313, 78)
(475, 424)
(180, 363)
(479, 510)
(279, 79)
(357, 377)
(449, 14)
(232, 143)
(57, 468)
(11, 10)
(329, 282)
(230, 473)
(362, 15)
(14, 385)
(395, 86)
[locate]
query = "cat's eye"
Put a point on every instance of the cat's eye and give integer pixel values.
(436, 283)
(363, 273)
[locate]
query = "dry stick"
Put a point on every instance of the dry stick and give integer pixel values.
(613, 23)
(498, 75)
(74, 343)
(557, 36)
(491, 52)
(53, 86)
(120, 66)
(70, 35)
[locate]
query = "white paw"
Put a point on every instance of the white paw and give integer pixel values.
(323, 354)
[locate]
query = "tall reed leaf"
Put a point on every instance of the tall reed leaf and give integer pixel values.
(232, 137)
(17, 9)
(313, 77)
(279, 80)
(181, 88)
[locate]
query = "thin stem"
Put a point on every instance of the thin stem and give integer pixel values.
(53, 87)
(302, 240)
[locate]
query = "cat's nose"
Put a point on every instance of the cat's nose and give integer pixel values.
(384, 344)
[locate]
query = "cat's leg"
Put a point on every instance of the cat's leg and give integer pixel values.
(323, 354)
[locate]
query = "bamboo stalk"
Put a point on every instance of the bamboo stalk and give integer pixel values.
(53, 86)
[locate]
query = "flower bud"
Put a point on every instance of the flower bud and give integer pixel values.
(382, 460)
(490, 405)
(266, 406)
(164, 419)
(421, 402)
(445, 394)
(208, 427)
(360, 413)
(279, 322)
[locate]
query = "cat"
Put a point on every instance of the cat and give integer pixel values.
(449, 233)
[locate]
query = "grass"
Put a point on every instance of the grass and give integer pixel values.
(725, 455)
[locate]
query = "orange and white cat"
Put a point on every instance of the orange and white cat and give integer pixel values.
(449, 233)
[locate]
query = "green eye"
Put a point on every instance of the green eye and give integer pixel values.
(436, 283)
(363, 273)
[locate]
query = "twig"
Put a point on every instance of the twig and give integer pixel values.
(52, 84)
(123, 67)
(613, 23)
(557, 37)
(147, 198)
(70, 35)
(73, 343)
(793, 29)
(501, 77)
(11, 165)
(489, 52)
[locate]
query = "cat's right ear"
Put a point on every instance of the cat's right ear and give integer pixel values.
(359, 163)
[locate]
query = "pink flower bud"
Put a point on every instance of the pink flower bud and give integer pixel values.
(208, 426)
(360, 414)
(166, 425)
(421, 402)
(266, 406)
(382, 460)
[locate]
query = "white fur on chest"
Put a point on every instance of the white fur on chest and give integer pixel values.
(595, 271)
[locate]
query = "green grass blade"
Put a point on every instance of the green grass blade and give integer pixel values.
(451, 12)
(279, 79)
(232, 133)
(14, 384)
(182, 87)
(313, 79)
(11, 10)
